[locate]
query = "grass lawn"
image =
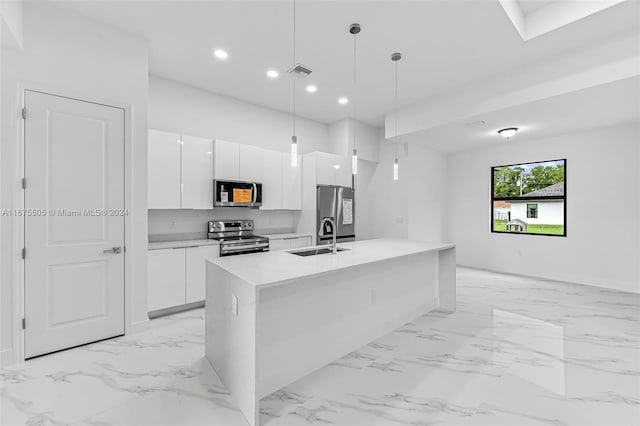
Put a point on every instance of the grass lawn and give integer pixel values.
(499, 226)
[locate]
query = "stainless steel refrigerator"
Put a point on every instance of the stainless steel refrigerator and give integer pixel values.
(337, 202)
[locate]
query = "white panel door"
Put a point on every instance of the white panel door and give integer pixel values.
(291, 183)
(195, 270)
(74, 166)
(166, 271)
(251, 159)
(272, 180)
(164, 170)
(226, 160)
(197, 173)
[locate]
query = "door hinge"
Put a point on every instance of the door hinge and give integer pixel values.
(24, 183)
(24, 253)
(24, 113)
(24, 323)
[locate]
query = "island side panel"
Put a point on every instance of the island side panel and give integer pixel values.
(447, 280)
(308, 323)
(230, 338)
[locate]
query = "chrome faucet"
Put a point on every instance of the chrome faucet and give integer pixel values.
(333, 246)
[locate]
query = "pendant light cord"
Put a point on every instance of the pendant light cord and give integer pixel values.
(293, 66)
(396, 110)
(355, 86)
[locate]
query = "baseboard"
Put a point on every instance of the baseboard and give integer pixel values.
(618, 286)
(138, 327)
(176, 309)
(7, 357)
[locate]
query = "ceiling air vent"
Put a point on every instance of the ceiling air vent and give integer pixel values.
(300, 71)
(475, 123)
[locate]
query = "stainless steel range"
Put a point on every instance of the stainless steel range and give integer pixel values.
(236, 237)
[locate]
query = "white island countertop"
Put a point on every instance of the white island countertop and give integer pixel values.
(278, 267)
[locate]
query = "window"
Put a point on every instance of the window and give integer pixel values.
(529, 198)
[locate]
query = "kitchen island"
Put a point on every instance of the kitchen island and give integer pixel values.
(272, 318)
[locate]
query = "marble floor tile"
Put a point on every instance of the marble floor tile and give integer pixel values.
(517, 352)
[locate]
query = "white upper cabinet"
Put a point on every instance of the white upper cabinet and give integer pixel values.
(164, 170)
(197, 173)
(272, 191)
(333, 169)
(226, 160)
(291, 183)
(251, 163)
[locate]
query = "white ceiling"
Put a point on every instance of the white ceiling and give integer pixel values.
(446, 45)
(598, 106)
(530, 6)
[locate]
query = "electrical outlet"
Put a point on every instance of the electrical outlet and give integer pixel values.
(372, 297)
(172, 224)
(234, 305)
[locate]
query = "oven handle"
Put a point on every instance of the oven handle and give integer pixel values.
(255, 192)
(241, 248)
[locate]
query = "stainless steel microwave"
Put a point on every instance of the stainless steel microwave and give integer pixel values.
(231, 193)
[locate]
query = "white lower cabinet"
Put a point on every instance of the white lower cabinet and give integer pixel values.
(288, 243)
(177, 276)
(166, 278)
(195, 271)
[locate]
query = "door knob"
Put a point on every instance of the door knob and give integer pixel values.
(113, 250)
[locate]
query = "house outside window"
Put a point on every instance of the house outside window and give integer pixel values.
(529, 198)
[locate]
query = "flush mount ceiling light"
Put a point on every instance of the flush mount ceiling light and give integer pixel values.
(312, 89)
(220, 54)
(508, 132)
(343, 100)
(336, 166)
(272, 73)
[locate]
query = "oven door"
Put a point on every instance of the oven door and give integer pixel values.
(229, 193)
(231, 249)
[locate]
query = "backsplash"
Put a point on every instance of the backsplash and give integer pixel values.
(163, 222)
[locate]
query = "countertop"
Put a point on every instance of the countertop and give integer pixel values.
(168, 241)
(159, 245)
(277, 267)
(287, 235)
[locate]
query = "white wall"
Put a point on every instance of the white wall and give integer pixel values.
(73, 56)
(195, 221)
(427, 194)
(176, 107)
(382, 208)
(11, 27)
(601, 247)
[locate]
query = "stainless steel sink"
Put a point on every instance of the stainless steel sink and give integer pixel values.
(315, 251)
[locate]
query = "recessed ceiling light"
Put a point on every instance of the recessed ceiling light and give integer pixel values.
(343, 101)
(336, 166)
(508, 132)
(312, 89)
(272, 73)
(220, 54)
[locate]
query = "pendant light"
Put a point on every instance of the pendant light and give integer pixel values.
(294, 138)
(395, 57)
(355, 30)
